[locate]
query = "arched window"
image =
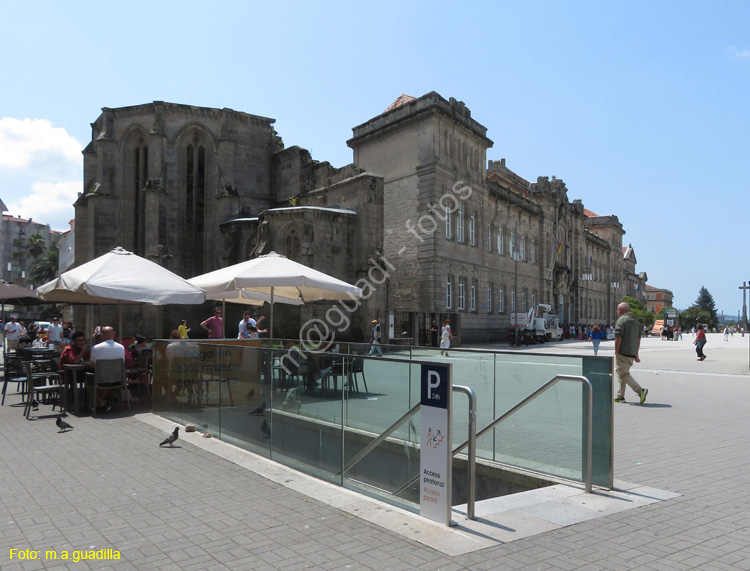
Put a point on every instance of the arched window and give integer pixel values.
(293, 245)
(140, 176)
(135, 175)
(195, 197)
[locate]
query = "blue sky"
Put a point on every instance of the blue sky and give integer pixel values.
(642, 108)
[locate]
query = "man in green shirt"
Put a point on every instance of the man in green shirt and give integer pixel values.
(627, 344)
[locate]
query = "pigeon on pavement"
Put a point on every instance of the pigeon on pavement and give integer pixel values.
(171, 438)
(265, 429)
(62, 425)
(259, 410)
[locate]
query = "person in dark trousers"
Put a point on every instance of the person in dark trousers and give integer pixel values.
(434, 334)
(627, 345)
(700, 342)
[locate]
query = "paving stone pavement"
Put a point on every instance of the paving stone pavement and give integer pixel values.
(107, 484)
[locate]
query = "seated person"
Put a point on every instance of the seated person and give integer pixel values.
(24, 342)
(137, 347)
(76, 353)
(107, 349)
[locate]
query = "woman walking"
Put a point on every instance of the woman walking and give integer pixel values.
(445, 338)
(700, 342)
(596, 337)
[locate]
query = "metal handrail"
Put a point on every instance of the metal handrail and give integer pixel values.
(472, 471)
(536, 393)
(374, 444)
(524, 402)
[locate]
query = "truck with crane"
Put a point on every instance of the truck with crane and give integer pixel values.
(537, 325)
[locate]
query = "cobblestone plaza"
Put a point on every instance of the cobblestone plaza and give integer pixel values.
(107, 485)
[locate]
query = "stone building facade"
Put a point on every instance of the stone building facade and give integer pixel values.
(196, 189)
(15, 247)
(475, 243)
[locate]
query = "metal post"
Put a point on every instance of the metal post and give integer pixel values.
(472, 468)
(513, 252)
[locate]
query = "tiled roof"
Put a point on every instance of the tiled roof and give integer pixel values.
(402, 100)
(588, 213)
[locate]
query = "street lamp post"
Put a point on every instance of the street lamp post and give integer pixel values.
(514, 253)
(587, 277)
(615, 286)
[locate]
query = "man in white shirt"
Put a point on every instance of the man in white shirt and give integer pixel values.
(54, 333)
(12, 332)
(248, 327)
(108, 348)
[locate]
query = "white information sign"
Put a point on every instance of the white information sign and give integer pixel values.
(435, 458)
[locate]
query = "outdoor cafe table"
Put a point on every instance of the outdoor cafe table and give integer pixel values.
(75, 370)
(40, 352)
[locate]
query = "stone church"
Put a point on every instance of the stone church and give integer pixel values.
(421, 218)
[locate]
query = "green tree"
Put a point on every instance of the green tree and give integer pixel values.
(662, 313)
(640, 311)
(705, 302)
(694, 315)
(44, 268)
(37, 245)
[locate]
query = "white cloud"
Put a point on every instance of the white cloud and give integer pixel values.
(739, 54)
(41, 170)
(48, 203)
(33, 147)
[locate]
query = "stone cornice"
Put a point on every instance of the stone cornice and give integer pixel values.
(432, 102)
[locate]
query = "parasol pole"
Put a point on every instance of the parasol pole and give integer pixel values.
(271, 312)
(119, 318)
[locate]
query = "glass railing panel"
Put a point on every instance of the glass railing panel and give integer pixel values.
(544, 435)
(378, 392)
(292, 405)
(244, 391)
(306, 413)
(395, 461)
(517, 376)
(187, 387)
(598, 370)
